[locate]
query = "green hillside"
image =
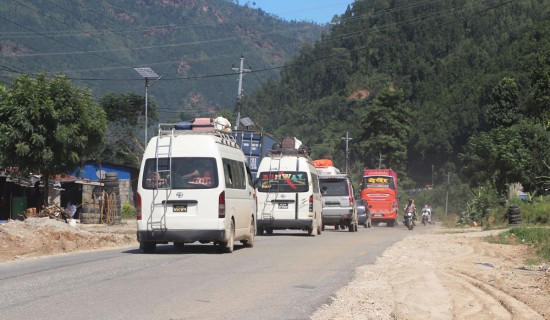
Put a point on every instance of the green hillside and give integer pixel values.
(191, 43)
(453, 87)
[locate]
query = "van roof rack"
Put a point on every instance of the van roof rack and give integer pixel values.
(176, 129)
(324, 175)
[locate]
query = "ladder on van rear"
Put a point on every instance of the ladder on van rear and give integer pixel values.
(163, 150)
(268, 215)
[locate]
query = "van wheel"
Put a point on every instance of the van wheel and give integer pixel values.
(228, 246)
(148, 247)
(323, 228)
(250, 241)
(269, 231)
(337, 227)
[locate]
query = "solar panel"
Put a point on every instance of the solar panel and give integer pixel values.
(146, 72)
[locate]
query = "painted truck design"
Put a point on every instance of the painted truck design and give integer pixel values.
(379, 189)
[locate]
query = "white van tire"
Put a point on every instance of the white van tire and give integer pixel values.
(230, 244)
(148, 247)
(249, 243)
(312, 231)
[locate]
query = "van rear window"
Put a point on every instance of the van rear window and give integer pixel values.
(180, 173)
(283, 181)
(334, 187)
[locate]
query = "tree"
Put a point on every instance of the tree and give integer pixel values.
(386, 130)
(507, 155)
(504, 109)
(125, 112)
(48, 125)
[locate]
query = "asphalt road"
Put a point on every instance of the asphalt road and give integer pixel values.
(284, 276)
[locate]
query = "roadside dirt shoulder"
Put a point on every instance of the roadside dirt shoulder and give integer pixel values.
(36, 237)
(446, 275)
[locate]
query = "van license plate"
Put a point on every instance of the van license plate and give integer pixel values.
(283, 205)
(180, 208)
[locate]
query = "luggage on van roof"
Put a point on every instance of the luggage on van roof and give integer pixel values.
(320, 163)
(289, 146)
(205, 124)
(325, 168)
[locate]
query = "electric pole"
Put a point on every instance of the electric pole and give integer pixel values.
(240, 90)
(347, 138)
(447, 196)
(380, 161)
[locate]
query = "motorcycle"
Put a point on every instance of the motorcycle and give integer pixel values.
(409, 220)
(425, 218)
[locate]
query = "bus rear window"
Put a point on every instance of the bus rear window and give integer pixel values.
(378, 182)
(283, 181)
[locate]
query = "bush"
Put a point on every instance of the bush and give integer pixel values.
(128, 212)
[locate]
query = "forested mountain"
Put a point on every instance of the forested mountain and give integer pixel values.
(421, 85)
(192, 44)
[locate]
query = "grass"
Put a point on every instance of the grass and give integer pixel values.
(538, 237)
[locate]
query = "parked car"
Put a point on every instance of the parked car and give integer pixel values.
(363, 212)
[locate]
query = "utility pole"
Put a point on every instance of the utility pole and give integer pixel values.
(347, 138)
(380, 161)
(433, 177)
(147, 73)
(447, 196)
(240, 90)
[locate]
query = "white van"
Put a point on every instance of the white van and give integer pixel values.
(288, 191)
(194, 185)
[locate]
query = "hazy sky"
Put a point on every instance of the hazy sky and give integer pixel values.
(320, 11)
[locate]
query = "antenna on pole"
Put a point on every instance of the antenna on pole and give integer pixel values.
(240, 90)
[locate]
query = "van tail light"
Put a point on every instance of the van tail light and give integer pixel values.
(138, 206)
(311, 203)
(351, 199)
(221, 205)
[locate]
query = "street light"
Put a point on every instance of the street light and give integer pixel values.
(146, 73)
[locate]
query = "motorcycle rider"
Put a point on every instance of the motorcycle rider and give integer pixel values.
(410, 207)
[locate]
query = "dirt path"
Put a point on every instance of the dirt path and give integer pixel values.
(445, 275)
(442, 274)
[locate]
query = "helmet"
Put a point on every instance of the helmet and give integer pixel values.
(410, 200)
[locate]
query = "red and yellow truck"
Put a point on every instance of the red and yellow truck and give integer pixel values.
(379, 189)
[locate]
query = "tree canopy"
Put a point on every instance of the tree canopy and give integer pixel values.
(48, 125)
